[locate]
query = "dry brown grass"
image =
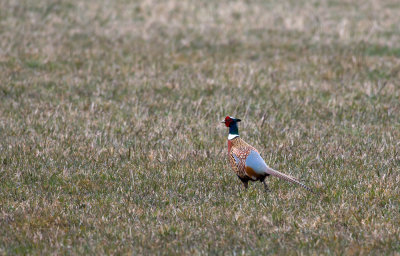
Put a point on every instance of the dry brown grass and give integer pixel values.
(110, 141)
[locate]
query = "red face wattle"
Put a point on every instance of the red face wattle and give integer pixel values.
(228, 121)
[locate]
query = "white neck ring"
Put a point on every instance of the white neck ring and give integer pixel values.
(232, 136)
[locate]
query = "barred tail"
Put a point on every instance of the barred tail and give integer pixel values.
(287, 178)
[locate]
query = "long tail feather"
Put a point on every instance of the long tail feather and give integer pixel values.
(287, 178)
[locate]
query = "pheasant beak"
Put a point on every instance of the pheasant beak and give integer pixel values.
(223, 122)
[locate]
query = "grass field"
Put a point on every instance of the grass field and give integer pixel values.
(110, 141)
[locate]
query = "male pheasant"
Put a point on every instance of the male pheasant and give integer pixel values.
(245, 160)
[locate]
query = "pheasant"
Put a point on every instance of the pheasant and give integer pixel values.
(246, 161)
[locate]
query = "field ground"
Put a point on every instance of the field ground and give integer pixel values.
(110, 141)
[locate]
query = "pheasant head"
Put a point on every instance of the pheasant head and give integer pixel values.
(231, 122)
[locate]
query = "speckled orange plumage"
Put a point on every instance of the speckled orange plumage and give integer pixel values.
(241, 150)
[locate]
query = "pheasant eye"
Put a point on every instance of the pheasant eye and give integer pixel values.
(228, 120)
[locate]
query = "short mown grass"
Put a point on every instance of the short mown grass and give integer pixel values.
(110, 141)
